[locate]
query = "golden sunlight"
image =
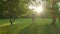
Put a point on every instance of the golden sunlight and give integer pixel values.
(36, 6)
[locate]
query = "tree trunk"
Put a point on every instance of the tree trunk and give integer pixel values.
(54, 20)
(33, 18)
(11, 21)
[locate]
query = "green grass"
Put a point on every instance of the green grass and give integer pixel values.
(25, 26)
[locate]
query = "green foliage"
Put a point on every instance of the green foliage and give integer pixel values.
(13, 8)
(16, 8)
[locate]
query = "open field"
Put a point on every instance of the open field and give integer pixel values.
(25, 26)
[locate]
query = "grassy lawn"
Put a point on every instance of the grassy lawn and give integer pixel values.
(25, 26)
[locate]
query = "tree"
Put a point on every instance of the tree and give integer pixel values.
(12, 7)
(16, 8)
(58, 11)
(9, 9)
(54, 8)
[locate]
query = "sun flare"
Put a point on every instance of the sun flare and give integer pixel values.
(39, 9)
(36, 8)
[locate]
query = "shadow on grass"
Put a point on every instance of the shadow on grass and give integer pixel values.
(52, 29)
(10, 28)
(39, 29)
(29, 29)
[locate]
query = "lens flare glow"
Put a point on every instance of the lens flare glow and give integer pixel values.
(37, 9)
(37, 6)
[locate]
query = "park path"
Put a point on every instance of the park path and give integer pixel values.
(37, 29)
